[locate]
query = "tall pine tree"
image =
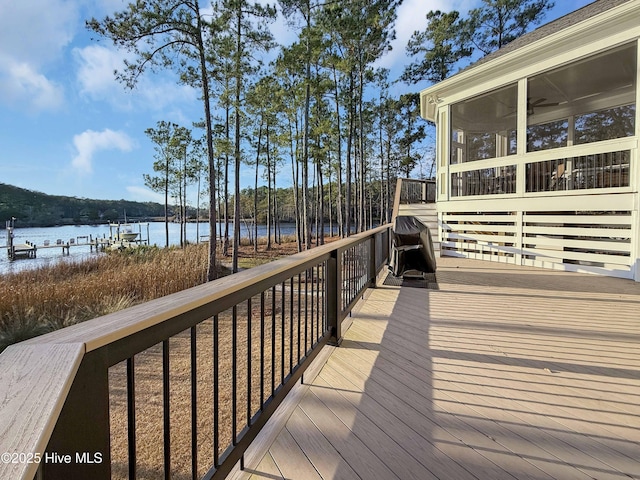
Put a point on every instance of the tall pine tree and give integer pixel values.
(167, 34)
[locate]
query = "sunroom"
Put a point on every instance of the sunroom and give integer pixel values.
(538, 147)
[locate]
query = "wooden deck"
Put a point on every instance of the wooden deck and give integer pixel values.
(503, 372)
(19, 250)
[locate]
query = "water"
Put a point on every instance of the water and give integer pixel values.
(156, 236)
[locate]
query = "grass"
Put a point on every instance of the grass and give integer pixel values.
(44, 299)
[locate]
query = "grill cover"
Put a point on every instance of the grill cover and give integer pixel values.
(411, 247)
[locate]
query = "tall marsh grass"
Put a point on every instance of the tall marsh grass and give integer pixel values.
(45, 299)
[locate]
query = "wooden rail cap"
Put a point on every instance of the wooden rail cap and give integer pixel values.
(34, 382)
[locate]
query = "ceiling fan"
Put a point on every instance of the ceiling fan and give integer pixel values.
(531, 106)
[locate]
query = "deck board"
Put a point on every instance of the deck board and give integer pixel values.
(318, 449)
(267, 469)
(351, 448)
(290, 458)
(504, 372)
(378, 428)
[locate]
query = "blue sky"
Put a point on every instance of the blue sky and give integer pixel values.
(67, 127)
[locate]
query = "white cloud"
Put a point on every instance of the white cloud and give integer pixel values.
(95, 71)
(95, 74)
(21, 85)
(36, 31)
(163, 94)
(33, 35)
(89, 142)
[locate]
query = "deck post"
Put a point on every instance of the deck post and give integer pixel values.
(333, 286)
(11, 252)
(79, 446)
(372, 261)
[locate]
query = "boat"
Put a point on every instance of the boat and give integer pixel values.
(122, 232)
(125, 232)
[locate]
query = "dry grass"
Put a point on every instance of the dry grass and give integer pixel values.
(45, 299)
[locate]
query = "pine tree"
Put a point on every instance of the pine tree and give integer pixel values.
(163, 34)
(440, 46)
(167, 163)
(498, 22)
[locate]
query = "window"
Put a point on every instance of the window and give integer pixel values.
(547, 135)
(485, 126)
(617, 122)
(586, 101)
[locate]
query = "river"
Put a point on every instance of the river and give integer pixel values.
(156, 236)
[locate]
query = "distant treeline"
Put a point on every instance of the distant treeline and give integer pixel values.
(36, 209)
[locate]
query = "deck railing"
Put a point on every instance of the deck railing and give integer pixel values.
(411, 191)
(73, 403)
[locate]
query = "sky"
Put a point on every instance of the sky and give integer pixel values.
(68, 127)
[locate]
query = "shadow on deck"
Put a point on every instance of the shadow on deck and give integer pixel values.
(503, 372)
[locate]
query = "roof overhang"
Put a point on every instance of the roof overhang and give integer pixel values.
(599, 32)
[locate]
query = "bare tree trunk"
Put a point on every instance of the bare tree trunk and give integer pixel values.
(388, 185)
(305, 138)
(305, 173)
(339, 202)
(320, 230)
(198, 208)
(330, 205)
(166, 201)
(211, 270)
(362, 167)
(181, 210)
(220, 206)
(369, 190)
(276, 207)
(382, 192)
(315, 205)
(183, 232)
(238, 90)
(348, 165)
(255, 192)
(296, 194)
(268, 191)
(225, 246)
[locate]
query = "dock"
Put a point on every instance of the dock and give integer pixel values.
(117, 240)
(29, 249)
(26, 250)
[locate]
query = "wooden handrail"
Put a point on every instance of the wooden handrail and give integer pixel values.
(34, 383)
(37, 375)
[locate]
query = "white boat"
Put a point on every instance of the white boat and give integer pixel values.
(126, 233)
(122, 232)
